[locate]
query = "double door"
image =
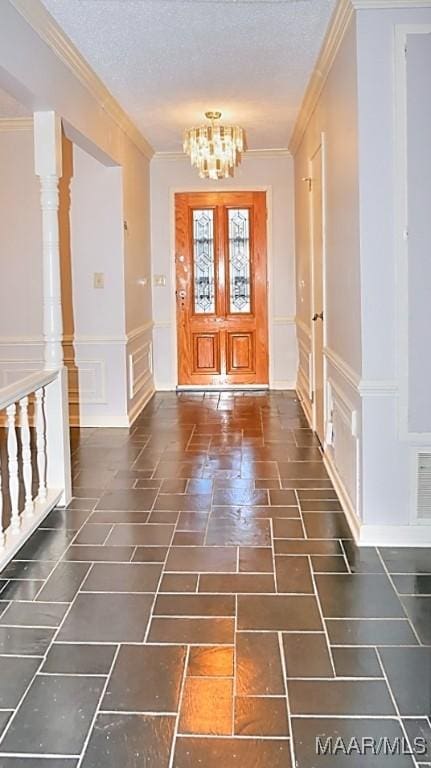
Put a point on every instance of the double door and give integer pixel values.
(221, 288)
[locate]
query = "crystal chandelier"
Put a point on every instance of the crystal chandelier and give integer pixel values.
(214, 149)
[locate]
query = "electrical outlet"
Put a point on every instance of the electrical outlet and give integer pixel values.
(98, 280)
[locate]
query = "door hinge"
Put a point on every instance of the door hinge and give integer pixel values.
(309, 181)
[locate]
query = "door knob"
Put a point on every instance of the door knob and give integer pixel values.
(181, 294)
(317, 316)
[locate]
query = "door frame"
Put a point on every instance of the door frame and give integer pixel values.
(322, 147)
(190, 189)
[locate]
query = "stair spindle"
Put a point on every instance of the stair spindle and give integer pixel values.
(12, 451)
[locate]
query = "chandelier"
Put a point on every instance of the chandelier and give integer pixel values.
(214, 149)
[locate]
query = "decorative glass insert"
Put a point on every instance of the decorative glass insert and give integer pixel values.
(239, 260)
(203, 259)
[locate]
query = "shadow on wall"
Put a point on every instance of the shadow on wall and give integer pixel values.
(66, 281)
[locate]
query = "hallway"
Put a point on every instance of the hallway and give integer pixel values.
(201, 601)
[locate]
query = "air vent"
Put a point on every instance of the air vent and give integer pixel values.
(424, 486)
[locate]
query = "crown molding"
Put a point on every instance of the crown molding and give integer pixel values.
(36, 15)
(334, 36)
(359, 5)
(259, 153)
(16, 123)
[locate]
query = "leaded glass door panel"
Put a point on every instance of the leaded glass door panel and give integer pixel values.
(221, 288)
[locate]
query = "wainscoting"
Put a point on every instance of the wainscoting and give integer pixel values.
(140, 382)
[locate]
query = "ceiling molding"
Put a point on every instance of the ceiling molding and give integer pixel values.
(16, 123)
(36, 15)
(387, 4)
(334, 36)
(259, 153)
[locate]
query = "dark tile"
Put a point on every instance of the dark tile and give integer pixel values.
(30, 569)
(188, 539)
(150, 555)
(356, 662)
(419, 736)
(173, 486)
(15, 675)
(293, 574)
(179, 582)
(225, 531)
(134, 741)
(107, 618)
(147, 534)
(34, 614)
(203, 559)
(370, 632)
(240, 497)
(307, 547)
(320, 505)
(194, 631)
(214, 752)
(328, 564)
(339, 697)
(136, 499)
(309, 470)
(184, 502)
(96, 554)
(93, 534)
(259, 469)
(83, 504)
(409, 674)
(70, 519)
(318, 494)
(287, 529)
(45, 545)
(407, 560)
(278, 612)
(419, 612)
(64, 582)
(194, 605)
(362, 559)
(79, 659)
(306, 731)
(21, 590)
(413, 584)
(307, 655)
(163, 517)
(210, 661)
(192, 521)
(258, 664)
(206, 706)
(38, 762)
(25, 641)
(123, 577)
(359, 596)
(255, 560)
(146, 679)
(4, 719)
(237, 582)
(282, 498)
(261, 716)
(110, 517)
(326, 525)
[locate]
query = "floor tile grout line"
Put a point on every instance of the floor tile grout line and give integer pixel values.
(406, 616)
(286, 695)
(394, 701)
(180, 703)
(349, 570)
(96, 712)
(319, 606)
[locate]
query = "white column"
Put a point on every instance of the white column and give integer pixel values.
(48, 166)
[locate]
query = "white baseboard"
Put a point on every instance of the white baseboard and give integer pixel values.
(395, 536)
(136, 409)
(348, 509)
(288, 385)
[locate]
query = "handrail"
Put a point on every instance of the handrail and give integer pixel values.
(19, 389)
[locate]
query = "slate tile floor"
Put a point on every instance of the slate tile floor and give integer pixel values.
(201, 603)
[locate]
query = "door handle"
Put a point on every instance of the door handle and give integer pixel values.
(317, 316)
(181, 294)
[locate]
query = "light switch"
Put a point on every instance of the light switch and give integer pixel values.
(98, 280)
(159, 281)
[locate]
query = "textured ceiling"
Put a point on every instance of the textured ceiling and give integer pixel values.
(9, 108)
(168, 61)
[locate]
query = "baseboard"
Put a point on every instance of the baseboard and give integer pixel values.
(306, 405)
(140, 404)
(287, 385)
(395, 536)
(348, 509)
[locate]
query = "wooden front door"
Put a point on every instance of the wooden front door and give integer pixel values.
(221, 288)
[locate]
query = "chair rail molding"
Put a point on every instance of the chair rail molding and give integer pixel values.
(16, 124)
(37, 16)
(343, 368)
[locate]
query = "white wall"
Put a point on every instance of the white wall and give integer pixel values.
(271, 171)
(336, 117)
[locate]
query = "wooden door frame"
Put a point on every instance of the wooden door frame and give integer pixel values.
(322, 147)
(191, 189)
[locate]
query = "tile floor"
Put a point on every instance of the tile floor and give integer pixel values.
(201, 603)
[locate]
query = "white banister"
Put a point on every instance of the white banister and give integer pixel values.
(12, 454)
(27, 469)
(40, 444)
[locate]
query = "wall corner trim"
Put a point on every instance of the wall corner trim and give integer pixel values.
(37, 16)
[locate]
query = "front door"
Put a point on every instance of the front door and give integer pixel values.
(221, 288)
